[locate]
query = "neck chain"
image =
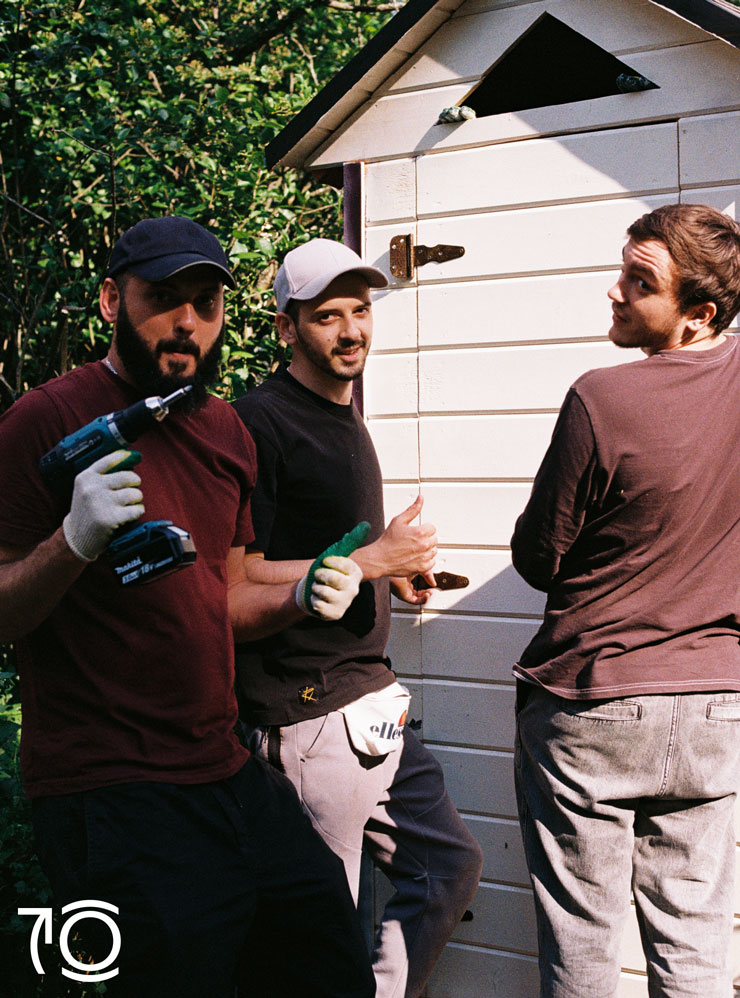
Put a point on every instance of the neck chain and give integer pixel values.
(110, 366)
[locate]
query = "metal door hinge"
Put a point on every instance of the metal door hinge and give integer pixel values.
(443, 580)
(405, 256)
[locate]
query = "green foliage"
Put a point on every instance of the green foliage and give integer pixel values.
(112, 113)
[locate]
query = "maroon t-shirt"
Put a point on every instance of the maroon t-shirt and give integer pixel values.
(633, 530)
(136, 683)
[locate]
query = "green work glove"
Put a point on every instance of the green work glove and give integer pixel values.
(333, 580)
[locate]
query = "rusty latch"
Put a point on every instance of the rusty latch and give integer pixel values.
(405, 256)
(444, 580)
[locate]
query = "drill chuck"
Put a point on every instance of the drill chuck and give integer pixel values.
(102, 436)
(128, 424)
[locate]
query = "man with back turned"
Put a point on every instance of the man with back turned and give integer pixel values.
(628, 725)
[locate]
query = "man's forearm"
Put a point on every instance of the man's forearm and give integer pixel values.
(32, 582)
(259, 609)
(561, 493)
(258, 569)
(264, 595)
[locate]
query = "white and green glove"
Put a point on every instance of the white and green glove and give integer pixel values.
(105, 496)
(333, 580)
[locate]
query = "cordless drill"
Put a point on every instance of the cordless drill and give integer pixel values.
(143, 551)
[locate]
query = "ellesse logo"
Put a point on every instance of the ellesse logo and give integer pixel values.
(389, 730)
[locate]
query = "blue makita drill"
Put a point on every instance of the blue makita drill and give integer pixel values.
(144, 551)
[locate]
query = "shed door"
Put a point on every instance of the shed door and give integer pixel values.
(471, 361)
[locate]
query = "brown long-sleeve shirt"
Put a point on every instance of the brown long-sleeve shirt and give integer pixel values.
(633, 530)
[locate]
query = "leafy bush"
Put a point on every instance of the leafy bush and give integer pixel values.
(115, 112)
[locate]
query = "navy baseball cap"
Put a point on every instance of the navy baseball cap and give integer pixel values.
(157, 248)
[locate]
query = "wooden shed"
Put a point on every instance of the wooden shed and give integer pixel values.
(473, 354)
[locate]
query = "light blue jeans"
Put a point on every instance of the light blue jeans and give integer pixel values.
(639, 793)
(396, 807)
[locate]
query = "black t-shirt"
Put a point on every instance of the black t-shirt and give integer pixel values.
(318, 476)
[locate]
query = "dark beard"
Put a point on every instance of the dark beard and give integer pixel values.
(323, 363)
(142, 364)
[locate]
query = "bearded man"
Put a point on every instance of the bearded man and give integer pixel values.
(143, 797)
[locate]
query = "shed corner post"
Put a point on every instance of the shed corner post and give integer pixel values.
(352, 184)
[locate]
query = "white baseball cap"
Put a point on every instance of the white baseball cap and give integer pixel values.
(311, 267)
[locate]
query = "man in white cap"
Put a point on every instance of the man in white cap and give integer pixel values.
(319, 698)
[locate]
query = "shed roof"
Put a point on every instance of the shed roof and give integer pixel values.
(401, 36)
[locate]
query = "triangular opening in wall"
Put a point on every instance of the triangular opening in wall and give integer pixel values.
(550, 64)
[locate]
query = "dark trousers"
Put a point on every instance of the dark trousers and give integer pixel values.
(218, 885)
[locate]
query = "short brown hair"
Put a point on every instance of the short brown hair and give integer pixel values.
(705, 246)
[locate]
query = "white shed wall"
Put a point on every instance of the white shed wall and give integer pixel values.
(696, 73)
(472, 359)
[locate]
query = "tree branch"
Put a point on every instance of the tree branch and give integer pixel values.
(23, 208)
(7, 395)
(309, 59)
(241, 52)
